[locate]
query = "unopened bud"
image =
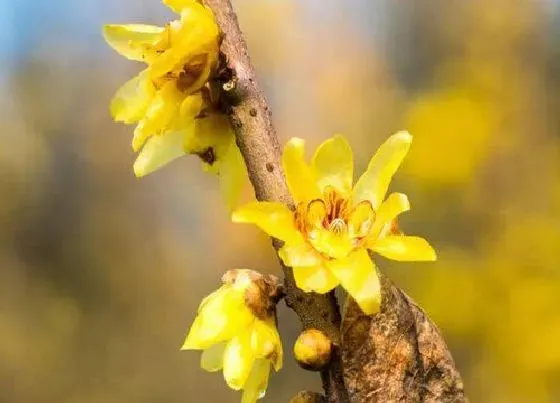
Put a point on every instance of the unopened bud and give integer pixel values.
(312, 350)
(306, 396)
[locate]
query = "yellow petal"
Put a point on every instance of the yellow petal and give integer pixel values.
(132, 100)
(373, 184)
(158, 151)
(161, 112)
(196, 34)
(331, 243)
(265, 342)
(333, 164)
(301, 255)
(361, 220)
(358, 277)
(221, 316)
(299, 176)
(405, 248)
(255, 387)
(131, 40)
(238, 360)
(232, 174)
(178, 5)
(273, 218)
(315, 279)
(396, 204)
(212, 359)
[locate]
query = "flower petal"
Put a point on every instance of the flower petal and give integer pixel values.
(373, 184)
(212, 359)
(178, 5)
(255, 387)
(158, 151)
(266, 343)
(315, 279)
(273, 218)
(221, 316)
(358, 276)
(405, 248)
(195, 35)
(238, 360)
(132, 100)
(394, 205)
(361, 220)
(299, 176)
(232, 174)
(163, 109)
(131, 40)
(333, 164)
(301, 255)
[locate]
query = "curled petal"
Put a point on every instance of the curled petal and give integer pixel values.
(255, 387)
(396, 204)
(266, 343)
(333, 164)
(132, 100)
(158, 151)
(221, 316)
(299, 176)
(132, 40)
(405, 248)
(315, 279)
(212, 359)
(196, 34)
(358, 276)
(373, 184)
(161, 112)
(273, 218)
(238, 360)
(361, 220)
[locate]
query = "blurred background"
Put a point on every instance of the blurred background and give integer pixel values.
(101, 273)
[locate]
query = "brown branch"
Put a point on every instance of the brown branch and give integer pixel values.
(256, 137)
(396, 355)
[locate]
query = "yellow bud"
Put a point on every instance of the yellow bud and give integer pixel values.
(306, 396)
(312, 350)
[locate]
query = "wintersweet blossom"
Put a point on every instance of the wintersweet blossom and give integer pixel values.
(169, 100)
(236, 338)
(334, 224)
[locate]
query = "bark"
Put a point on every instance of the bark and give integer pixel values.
(400, 342)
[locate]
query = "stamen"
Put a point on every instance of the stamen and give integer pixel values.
(337, 226)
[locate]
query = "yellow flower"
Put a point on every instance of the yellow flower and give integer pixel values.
(327, 237)
(168, 101)
(244, 344)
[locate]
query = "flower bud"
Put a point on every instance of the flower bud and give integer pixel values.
(305, 396)
(312, 350)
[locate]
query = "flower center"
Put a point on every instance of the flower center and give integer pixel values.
(332, 226)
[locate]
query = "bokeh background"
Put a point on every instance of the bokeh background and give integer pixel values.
(101, 273)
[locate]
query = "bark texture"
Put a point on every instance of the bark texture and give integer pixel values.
(397, 355)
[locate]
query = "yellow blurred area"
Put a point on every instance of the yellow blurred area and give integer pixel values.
(101, 273)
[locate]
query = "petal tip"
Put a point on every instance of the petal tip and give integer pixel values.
(404, 136)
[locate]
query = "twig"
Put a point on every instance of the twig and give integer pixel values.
(256, 137)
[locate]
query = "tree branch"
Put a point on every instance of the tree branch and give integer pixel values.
(256, 137)
(396, 355)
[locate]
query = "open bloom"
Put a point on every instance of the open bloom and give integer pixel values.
(168, 100)
(327, 237)
(236, 338)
